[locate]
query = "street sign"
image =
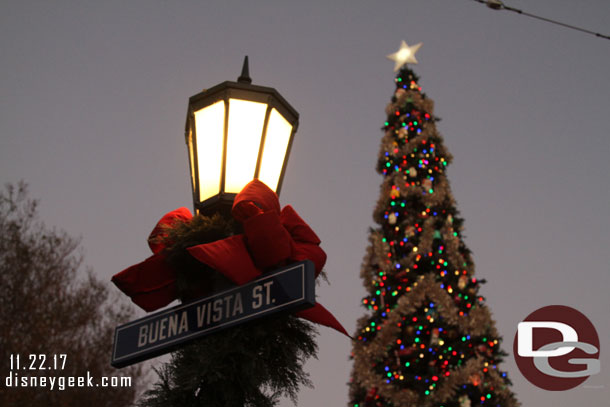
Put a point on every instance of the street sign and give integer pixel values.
(290, 288)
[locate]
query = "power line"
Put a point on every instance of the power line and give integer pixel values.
(498, 5)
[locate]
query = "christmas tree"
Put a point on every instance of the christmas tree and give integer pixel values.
(427, 339)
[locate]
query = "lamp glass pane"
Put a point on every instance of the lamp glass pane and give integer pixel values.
(191, 149)
(274, 150)
(209, 123)
(246, 121)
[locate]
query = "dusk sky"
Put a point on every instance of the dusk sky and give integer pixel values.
(93, 99)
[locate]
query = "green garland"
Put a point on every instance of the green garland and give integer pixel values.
(251, 365)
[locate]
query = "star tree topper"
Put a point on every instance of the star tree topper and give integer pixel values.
(405, 55)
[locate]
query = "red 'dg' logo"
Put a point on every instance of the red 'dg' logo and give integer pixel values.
(556, 348)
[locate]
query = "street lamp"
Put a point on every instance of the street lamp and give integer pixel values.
(236, 132)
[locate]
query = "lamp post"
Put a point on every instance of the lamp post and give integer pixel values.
(236, 132)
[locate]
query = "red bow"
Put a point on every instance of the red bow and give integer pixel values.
(271, 238)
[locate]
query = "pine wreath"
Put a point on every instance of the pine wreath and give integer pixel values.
(251, 365)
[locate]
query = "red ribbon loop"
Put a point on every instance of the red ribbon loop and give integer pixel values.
(157, 240)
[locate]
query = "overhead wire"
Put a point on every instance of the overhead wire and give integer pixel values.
(499, 5)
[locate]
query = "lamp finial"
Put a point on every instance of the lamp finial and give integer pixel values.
(245, 73)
